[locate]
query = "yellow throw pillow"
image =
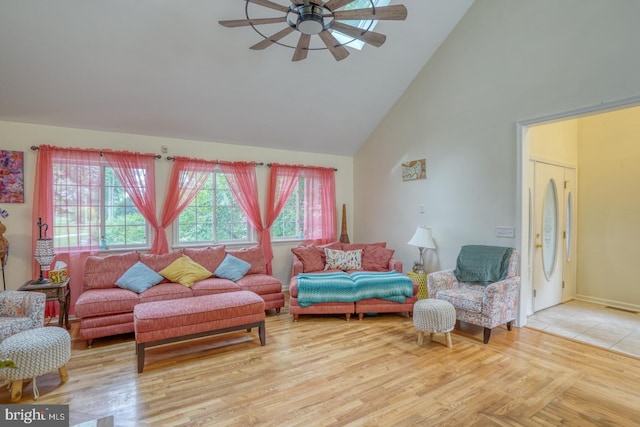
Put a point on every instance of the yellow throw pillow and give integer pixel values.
(185, 271)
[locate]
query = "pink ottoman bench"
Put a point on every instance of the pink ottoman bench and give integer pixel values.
(162, 322)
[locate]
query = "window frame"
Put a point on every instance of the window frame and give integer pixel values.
(102, 165)
(251, 232)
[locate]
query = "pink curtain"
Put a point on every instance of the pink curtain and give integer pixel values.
(187, 178)
(75, 166)
(242, 180)
(282, 181)
(137, 174)
(319, 205)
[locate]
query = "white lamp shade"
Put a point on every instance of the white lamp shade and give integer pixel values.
(422, 238)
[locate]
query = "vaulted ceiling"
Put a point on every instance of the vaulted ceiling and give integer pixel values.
(167, 68)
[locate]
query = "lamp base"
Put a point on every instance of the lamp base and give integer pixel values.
(40, 280)
(418, 266)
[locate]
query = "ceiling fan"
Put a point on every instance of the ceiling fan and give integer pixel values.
(316, 17)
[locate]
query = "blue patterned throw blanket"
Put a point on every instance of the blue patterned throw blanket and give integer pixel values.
(343, 287)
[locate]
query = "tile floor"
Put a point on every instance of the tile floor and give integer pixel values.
(592, 323)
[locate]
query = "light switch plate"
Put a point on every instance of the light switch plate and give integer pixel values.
(505, 231)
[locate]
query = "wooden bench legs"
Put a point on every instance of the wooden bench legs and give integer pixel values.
(141, 346)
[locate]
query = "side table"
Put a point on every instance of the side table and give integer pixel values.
(54, 292)
(421, 279)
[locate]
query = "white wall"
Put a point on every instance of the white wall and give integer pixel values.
(20, 137)
(506, 61)
(609, 208)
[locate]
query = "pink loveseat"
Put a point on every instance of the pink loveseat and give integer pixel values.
(374, 257)
(105, 309)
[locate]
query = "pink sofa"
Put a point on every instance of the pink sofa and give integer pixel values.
(105, 309)
(375, 257)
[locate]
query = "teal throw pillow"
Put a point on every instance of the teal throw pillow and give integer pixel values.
(138, 278)
(232, 268)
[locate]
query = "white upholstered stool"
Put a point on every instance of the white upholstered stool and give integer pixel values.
(434, 316)
(35, 352)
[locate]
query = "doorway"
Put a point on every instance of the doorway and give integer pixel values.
(597, 243)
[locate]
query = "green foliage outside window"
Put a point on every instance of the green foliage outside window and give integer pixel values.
(290, 222)
(213, 216)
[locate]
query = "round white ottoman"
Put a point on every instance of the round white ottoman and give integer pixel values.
(35, 352)
(434, 316)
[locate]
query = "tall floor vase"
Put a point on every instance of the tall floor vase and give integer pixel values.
(344, 237)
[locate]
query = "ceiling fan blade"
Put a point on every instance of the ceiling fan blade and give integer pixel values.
(337, 4)
(339, 52)
(270, 40)
(371, 37)
(302, 48)
(246, 22)
(387, 13)
(271, 5)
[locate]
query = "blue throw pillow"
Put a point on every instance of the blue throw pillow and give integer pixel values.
(139, 278)
(232, 268)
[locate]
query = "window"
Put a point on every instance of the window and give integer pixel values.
(214, 216)
(290, 223)
(124, 225)
(364, 24)
(92, 208)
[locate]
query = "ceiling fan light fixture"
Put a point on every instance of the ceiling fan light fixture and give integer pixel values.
(322, 18)
(310, 20)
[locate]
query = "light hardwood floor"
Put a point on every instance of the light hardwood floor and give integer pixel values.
(325, 371)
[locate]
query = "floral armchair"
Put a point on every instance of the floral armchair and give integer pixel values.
(20, 311)
(487, 305)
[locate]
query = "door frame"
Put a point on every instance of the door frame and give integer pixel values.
(525, 304)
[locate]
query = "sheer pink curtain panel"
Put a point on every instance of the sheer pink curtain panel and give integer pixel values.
(243, 182)
(320, 223)
(137, 174)
(282, 181)
(76, 167)
(186, 179)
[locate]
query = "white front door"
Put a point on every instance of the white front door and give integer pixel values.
(548, 214)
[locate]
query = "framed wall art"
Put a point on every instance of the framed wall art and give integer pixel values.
(415, 169)
(11, 176)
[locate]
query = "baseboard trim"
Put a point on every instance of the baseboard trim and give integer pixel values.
(610, 303)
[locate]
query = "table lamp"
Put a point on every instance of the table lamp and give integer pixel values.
(423, 240)
(44, 252)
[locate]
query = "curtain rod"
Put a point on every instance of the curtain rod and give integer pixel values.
(217, 162)
(303, 166)
(36, 147)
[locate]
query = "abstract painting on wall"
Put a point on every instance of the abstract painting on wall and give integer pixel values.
(11, 176)
(415, 169)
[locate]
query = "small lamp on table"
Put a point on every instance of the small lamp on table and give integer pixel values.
(44, 253)
(423, 240)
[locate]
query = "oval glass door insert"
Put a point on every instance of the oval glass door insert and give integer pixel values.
(549, 228)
